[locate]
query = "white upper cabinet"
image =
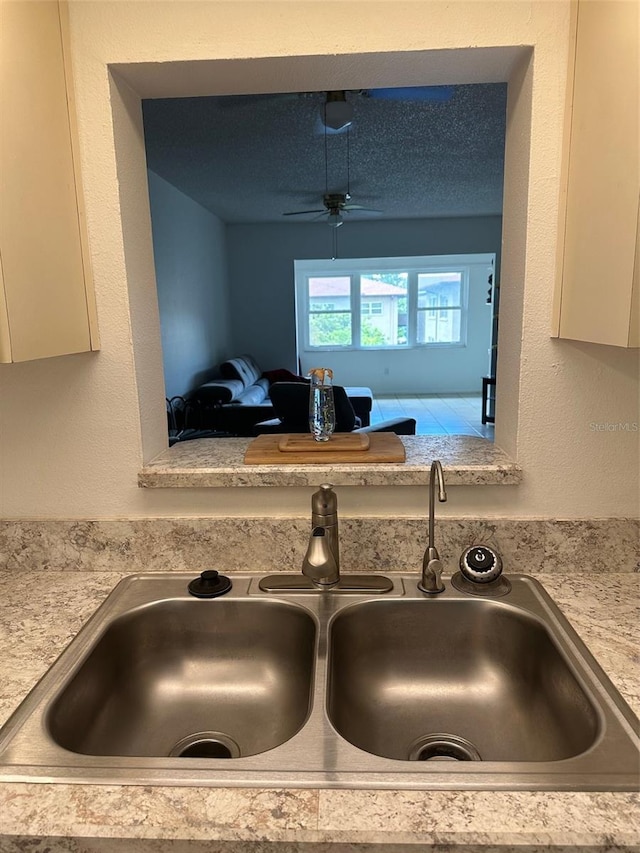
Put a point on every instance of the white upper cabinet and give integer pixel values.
(47, 305)
(597, 288)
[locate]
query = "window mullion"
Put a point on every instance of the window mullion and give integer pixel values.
(356, 321)
(412, 307)
(306, 301)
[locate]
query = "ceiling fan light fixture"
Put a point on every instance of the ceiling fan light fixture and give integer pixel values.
(338, 114)
(335, 219)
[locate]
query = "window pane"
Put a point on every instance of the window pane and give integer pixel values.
(330, 293)
(439, 326)
(383, 309)
(371, 308)
(326, 330)
(439, 288)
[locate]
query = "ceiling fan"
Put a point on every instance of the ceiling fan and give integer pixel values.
(337, 112)
(338, 109)
(337, 117)
(335, 205)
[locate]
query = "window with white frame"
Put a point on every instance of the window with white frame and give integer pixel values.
(369, 303)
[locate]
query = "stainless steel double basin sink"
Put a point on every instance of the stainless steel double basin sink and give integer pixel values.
(325, 689)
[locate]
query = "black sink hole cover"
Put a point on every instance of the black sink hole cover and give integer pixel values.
(210, 584)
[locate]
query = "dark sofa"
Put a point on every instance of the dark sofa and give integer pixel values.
(234, 402)
(239, 399)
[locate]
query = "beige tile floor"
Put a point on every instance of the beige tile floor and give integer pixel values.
(435, 414)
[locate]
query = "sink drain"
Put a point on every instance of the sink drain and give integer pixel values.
(443, 747)
(206, 745)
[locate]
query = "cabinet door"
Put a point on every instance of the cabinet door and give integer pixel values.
(598, 294)
(47, 306)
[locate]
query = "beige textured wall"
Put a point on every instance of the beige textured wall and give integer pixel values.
(75, 430)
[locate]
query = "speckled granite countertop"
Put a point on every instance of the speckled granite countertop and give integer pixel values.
(219, 462)
(62, 818)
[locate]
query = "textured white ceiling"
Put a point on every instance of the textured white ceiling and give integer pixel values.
(251, 158)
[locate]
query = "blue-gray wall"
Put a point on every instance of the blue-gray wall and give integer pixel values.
(190, 252)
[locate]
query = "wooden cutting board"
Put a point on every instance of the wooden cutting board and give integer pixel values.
(340, 441)
(383, 447)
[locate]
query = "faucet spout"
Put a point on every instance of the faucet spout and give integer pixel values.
(321, 563)
(432, 567)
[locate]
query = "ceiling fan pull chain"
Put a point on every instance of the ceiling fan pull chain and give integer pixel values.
(326, 161)
(348, 163)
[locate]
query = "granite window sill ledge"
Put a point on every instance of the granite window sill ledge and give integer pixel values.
(218, 462)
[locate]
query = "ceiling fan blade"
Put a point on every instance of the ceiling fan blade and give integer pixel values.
(426, 94)
(301, 212)
(349, 207)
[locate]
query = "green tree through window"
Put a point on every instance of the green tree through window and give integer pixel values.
(335, 330)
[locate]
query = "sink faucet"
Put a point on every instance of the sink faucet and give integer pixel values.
(321, 563)
(431, 581)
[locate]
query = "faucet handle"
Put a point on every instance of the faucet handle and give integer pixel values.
(324, 502)
(432, 569)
